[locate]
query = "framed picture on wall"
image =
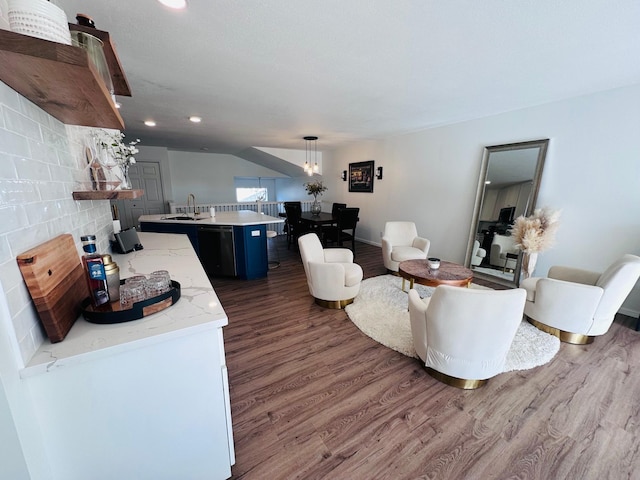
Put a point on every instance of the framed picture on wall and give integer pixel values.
(361, 176)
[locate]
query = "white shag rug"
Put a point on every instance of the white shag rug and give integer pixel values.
(380, 312)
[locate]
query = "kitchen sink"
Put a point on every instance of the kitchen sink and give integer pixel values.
(184, 217)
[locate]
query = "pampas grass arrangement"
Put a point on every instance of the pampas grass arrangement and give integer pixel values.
(537, 232)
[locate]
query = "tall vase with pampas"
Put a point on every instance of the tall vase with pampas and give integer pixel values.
(534, 234)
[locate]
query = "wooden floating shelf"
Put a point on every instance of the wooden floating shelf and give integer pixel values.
(58, 78)
(107, 194)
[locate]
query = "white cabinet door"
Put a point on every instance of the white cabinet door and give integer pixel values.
(145, 176)
(154, 412)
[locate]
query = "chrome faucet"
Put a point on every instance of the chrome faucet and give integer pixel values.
(189, 198)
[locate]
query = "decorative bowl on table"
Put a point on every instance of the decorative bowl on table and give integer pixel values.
(433, 262)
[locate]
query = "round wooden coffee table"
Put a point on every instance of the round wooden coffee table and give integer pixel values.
(449, 273)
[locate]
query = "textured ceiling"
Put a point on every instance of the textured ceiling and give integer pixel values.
(266, 73)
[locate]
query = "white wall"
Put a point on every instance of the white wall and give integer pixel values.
(592, 173)
(209, 176)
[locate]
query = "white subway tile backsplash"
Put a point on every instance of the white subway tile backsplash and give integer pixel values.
(10, 275)
(5, 251)
(29, 237)
(33, 170)
(7, 167)
(18, 298)
(42, 152)
(9, 97)
(35, 113)
(53, 191)
(40, 162)
(41, 212)
(18, 123)
(62, 174)
(12, 217)
(55, 139)
(17, 192)
(11, 142)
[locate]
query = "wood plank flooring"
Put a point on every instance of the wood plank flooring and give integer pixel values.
(314, 398)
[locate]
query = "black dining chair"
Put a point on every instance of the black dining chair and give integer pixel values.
(294, 226)
(337, 206)
(345, 230)
(334, 213)
(286, 221)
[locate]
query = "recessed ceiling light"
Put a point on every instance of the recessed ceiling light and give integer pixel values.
(150, 123)
(195, 119)
(177, 4)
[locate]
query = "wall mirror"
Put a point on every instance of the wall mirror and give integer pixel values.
(508, 187)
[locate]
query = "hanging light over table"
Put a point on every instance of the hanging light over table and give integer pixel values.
(311, 148)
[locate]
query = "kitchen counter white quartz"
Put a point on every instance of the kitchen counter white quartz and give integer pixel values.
(147, 398)
(198, 308)
(237, 218)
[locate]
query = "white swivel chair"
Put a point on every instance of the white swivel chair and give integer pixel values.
(577, 305)
(463, 335)
(400, 242)
(477, 254)
(333, 279)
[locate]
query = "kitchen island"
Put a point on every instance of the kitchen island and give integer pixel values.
(147, 398)
(231, 244)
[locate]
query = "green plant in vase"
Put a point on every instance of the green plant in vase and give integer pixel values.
(315, 188)
(115, 151)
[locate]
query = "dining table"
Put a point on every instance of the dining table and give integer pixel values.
(319, 219)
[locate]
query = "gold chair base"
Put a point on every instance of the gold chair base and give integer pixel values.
(455, 381)
(566, 337)
(335, 304)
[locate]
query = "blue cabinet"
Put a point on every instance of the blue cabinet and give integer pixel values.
(249, 248)
(251, 251)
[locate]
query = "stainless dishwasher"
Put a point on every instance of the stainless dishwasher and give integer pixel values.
(217, 250)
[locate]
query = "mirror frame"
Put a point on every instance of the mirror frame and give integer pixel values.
(543, 145)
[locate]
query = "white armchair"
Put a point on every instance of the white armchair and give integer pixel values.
(463, 335)
(400, 242)
(477, 254)
(333, 279)
(576, 305)
(500, 246)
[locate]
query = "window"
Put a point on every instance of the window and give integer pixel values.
(251, 194)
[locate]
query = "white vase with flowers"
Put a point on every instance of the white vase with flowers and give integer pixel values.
(315, 188)
(114, 152)
(534, 234)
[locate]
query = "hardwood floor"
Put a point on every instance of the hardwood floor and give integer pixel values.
(312, 397)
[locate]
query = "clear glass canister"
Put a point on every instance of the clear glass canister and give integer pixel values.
(112, 271)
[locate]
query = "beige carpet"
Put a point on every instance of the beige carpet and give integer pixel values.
(380, 312)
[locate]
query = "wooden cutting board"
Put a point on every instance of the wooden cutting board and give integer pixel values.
(55, 278)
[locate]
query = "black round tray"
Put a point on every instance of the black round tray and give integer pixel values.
(112, 313)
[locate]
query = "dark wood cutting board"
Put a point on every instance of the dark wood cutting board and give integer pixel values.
(55, 278)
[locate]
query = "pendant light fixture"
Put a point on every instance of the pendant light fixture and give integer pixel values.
(309, 149)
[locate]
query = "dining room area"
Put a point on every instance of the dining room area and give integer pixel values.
(336, 227)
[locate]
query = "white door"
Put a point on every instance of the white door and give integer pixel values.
(146, 176)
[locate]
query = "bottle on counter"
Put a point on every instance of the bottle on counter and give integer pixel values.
(112, 272)
(95, 273)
